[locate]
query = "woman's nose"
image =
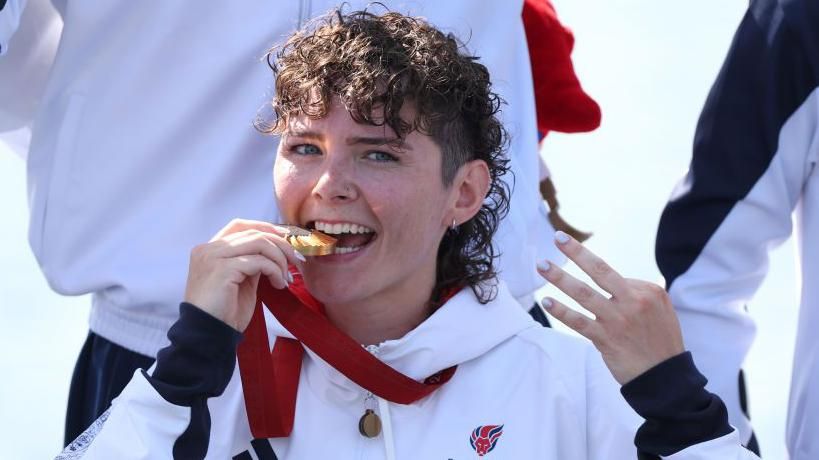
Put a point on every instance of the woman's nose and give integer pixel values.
(336, 182)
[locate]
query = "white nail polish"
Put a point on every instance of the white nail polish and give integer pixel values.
(299, 256)
(547, 303)
(561, 237)
(544, 266)
(289, 277)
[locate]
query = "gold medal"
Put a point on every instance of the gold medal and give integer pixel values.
(370, 424)
(309, 242)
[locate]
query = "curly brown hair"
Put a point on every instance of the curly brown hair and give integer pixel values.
(374, 64)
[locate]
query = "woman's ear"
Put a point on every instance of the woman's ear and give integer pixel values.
(470, 186)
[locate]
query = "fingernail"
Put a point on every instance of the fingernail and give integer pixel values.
(561, 237)
(546, 302)
(544, 266)
(289, 277)
(300, 256)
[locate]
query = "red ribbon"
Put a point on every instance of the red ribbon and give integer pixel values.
(270, 380)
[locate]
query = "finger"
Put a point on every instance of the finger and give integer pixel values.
(243, 234)
(238, 225)
(252, 265)
(574, 320)
(256, 242)
(599, 271)
(275, 238)
(581, 292)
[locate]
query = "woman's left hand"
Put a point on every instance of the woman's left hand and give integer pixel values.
(635, 329)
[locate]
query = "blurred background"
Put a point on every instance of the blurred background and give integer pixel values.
(649, 64)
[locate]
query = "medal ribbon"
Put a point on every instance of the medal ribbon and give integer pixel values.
(270, 380)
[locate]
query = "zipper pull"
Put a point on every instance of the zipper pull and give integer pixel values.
(370, 424)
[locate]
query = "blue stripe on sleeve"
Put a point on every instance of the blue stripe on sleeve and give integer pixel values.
(197, 365)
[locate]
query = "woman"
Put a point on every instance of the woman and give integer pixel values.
(400, 344)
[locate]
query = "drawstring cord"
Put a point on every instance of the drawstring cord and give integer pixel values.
(386, 422)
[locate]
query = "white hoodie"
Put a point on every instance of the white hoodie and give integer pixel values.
(143, 144)
(548, 396)
(551, 393)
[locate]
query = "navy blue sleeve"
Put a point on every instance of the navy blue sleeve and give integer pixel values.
(197, 365)
(678, 411)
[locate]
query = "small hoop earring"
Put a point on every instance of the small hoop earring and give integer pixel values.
(453, 227)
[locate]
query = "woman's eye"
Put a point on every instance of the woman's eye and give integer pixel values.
(305, 149)
(381, 156)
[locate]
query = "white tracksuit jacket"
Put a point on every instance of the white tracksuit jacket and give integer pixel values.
(753, 167)
(550, 392)
(143, 145)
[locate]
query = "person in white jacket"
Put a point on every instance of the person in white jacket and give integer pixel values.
(401, 343)
(753, 181)
(142, 145)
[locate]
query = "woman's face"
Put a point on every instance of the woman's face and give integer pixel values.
(385, 201)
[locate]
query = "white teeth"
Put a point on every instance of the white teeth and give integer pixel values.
(337, 229)
(346, 250)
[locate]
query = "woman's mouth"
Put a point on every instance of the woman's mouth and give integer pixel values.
(350, 237)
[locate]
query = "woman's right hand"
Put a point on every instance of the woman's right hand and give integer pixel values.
(224, 273)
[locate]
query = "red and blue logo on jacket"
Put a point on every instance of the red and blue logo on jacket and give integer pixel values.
(484, 438)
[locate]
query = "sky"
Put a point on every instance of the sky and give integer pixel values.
(648, 63)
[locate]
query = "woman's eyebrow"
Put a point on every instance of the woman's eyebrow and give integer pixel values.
(305, 134)
(395, 142)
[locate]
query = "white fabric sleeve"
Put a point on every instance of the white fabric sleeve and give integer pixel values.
(749, 166)
(710, 297)
(139, 425)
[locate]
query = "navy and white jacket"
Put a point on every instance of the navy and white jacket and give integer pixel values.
(520, 391)
(753, 167)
